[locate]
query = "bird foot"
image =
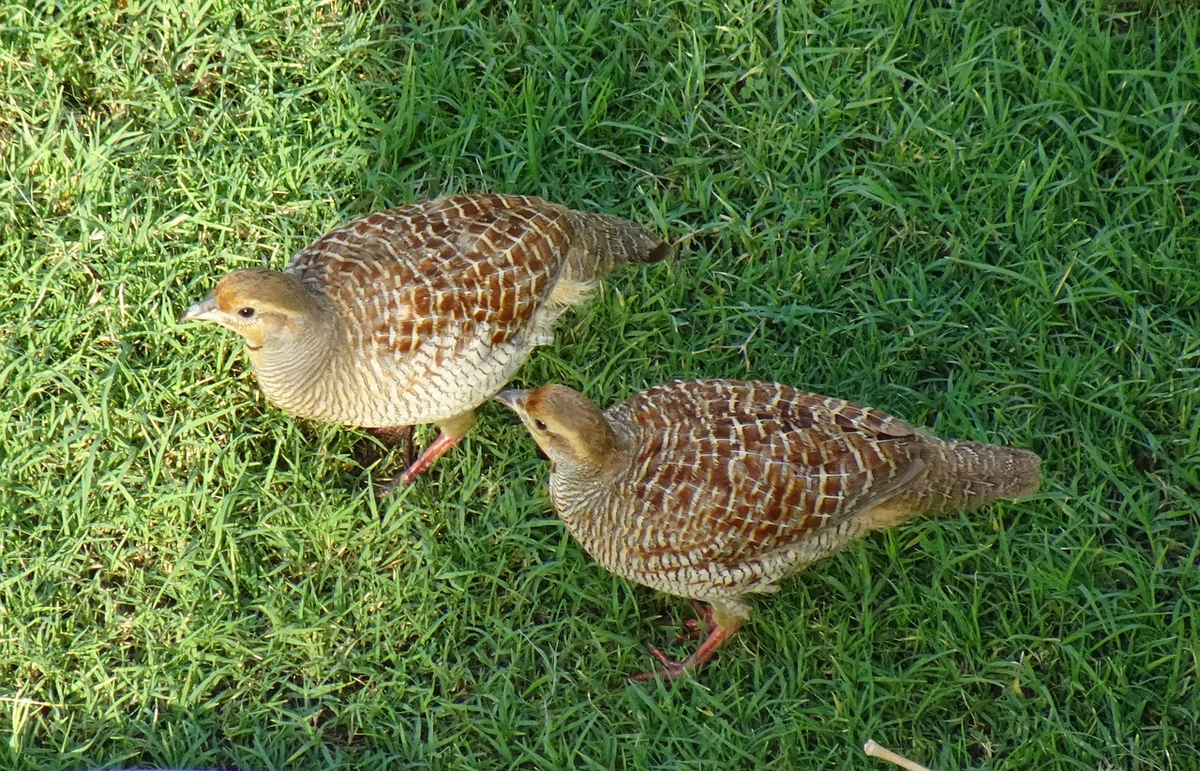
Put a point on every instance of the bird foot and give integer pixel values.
(389, 486)
(386, 487)
(691, 631)
(436, 449)
(673, 669)
(390, 437)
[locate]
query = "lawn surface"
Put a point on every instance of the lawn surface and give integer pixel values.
(980, 216)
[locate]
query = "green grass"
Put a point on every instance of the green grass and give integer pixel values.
(980, 216)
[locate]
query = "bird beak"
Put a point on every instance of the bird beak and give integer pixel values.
(201, 311)
(512, 398)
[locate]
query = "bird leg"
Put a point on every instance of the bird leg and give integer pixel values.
(721, 626)
(452, 431)
(673, 669)
(436, 449)
(390, 436)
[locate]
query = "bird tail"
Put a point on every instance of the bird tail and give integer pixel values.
(963, 475)
(608, 243)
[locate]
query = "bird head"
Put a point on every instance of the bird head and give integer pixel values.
(568, 427)
(265, 307)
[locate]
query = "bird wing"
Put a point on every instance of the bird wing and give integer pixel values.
(729, 472)
(440, 273)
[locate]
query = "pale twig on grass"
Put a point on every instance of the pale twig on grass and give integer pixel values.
(883, 753)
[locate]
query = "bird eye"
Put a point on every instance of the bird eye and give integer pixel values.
(246, 313)
(539, 424)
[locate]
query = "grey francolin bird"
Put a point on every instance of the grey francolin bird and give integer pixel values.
(419, 314)
(717, 489)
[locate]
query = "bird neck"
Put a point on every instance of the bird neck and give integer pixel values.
(582, 489)
(292, 368)
(607, 450)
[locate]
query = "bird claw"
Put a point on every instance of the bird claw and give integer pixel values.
(691, 631)
(672, 668)
(388, 486)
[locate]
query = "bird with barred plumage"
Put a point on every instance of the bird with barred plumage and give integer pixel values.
(419, 314)
(713, 490)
